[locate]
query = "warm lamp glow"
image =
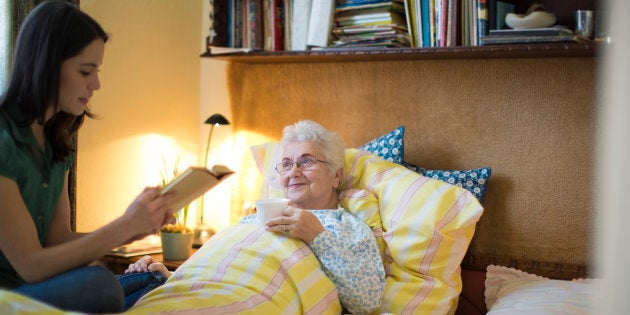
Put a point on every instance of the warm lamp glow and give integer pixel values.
(203, 232)
(246, 184)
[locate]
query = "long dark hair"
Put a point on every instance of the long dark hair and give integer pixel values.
(53, 32)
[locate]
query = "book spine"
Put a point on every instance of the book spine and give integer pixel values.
(426, 21)
(411, 29)
(286, 31)
(268, 24)
(299, 23)
(451, 35)
(320, 23)
(464, 24)
(474, 35)
(238, 24)
(443, 22)
(437, 7)
(278, 25)
(230, 22)
(259, 27)
(432, 23)
(255, 36)
(482, 18)
(419, 22)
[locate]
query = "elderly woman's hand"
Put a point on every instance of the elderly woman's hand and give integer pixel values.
(147, 263)
(296, 222)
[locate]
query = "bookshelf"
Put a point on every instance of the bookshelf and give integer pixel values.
(562, 8)
(392, 54)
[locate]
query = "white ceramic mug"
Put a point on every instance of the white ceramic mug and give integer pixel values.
(269, 208)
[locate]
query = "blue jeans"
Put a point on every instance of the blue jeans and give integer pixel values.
(88, 289)
(136, 285)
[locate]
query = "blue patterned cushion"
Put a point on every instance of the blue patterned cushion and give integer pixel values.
(390, 146)
(474, 180)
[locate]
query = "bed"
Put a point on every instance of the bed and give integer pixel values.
(471, 249)
(423, 220)
(422, 226)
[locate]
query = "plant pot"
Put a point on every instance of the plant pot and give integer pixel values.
(176, 246)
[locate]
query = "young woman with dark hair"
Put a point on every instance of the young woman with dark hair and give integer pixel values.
(54, 74)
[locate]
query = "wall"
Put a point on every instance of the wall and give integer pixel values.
(148, 105)
(530, 119)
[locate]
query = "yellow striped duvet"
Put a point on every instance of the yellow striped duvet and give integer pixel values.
(247, 270)
(242, 269)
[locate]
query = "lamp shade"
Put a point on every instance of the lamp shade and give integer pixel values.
(217, 119)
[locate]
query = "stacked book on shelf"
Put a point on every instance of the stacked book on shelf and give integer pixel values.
(433, 23)
(554, 34)
(370, 23)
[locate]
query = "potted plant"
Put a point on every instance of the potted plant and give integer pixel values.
(176, 238)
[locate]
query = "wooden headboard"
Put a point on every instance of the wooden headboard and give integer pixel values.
(530, 119)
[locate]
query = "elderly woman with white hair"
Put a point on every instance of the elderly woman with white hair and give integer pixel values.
(310, 172)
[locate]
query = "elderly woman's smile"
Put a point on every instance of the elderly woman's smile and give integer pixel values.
(309, 182)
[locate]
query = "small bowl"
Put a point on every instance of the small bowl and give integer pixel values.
(536, 19)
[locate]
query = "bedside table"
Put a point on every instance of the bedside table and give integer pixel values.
(118, 264)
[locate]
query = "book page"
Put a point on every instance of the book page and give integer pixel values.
(193, 183)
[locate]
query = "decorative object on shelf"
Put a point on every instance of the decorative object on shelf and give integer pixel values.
(202, 231)
(584, 23)
(536, 17)
(176, 238)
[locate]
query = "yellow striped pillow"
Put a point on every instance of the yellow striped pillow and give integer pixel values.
(426, 226)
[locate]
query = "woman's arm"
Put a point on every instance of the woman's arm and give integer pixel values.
(62, 252)
(60, 230)
(350, 258)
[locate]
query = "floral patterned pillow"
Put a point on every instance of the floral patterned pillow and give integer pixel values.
(474, 180)
(390, 146)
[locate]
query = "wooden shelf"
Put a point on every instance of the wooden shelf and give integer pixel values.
(391, 54)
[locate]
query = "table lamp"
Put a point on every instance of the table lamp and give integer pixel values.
(203, 232)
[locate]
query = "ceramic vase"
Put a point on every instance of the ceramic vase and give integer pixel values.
(176, 246)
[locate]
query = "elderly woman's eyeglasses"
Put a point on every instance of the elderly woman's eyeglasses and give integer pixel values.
(304, 164)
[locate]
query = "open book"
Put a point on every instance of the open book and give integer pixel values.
(193, 183)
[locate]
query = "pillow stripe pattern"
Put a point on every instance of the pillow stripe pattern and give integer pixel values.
(427, 225)
(260, 273)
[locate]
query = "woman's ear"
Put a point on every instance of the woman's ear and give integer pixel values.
(338, 175)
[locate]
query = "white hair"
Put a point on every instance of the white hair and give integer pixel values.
(329, 142)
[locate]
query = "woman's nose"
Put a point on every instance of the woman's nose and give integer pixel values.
(295, 169)
(95, 84)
